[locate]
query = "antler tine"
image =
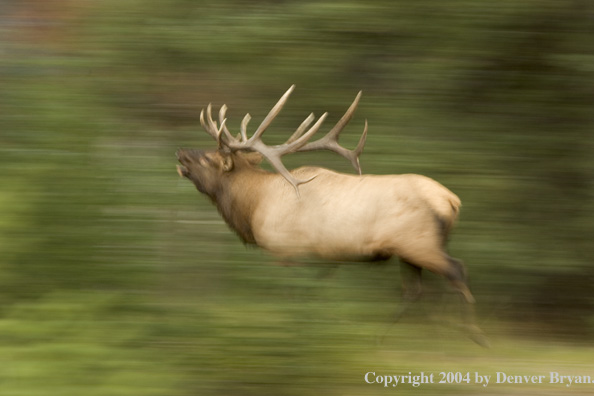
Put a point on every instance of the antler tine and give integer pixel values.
(224, 129)
(209, 125)
(273, 113)
(299, 139)
(330, 140)
(243, 127)
(346, 117)
(353, 155)
(297, 134)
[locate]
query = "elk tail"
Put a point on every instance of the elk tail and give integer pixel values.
(448, 217)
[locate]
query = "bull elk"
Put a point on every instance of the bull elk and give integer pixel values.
(313, 211)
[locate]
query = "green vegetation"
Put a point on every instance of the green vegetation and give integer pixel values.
(118, 278)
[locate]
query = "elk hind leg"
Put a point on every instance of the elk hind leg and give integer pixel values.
(454, 271)
(438, 262)
(458, 278)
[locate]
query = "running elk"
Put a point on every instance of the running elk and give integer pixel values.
(313, 211)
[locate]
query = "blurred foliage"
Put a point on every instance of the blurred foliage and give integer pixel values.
(116, 278)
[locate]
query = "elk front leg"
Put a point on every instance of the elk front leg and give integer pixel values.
(412, 289)
(411, 286)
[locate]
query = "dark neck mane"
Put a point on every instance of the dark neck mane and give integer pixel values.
(237, 201)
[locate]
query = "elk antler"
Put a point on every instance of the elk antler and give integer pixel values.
(297, 142)
(330, 140)
(210, 126)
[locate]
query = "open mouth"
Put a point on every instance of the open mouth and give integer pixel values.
(182, 171)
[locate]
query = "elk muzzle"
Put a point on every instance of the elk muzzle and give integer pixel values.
(186, 158)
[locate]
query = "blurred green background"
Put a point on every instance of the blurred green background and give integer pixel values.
(118, 278)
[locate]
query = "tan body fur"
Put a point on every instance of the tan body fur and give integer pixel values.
(347, 217)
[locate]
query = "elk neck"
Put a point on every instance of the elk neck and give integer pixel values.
(237, 199)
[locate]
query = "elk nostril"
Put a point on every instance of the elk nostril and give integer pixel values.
(182, 156)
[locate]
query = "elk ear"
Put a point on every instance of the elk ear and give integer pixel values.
(227, 163)
(253, 158)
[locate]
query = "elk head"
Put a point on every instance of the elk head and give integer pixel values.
(206, 168)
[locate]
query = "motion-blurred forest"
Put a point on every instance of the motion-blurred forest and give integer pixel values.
(118, 278)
